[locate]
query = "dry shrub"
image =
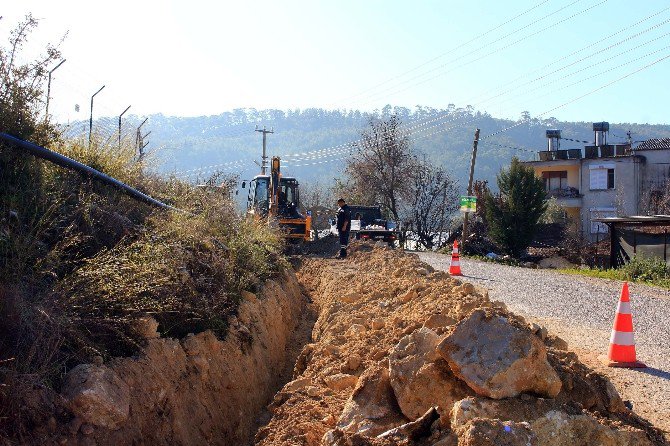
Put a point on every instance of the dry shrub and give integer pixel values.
(80, 262)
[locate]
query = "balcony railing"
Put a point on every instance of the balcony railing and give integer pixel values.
(567, 192)
(607, 151)
(553, 155)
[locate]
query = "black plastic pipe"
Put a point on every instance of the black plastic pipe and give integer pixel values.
(69, 163)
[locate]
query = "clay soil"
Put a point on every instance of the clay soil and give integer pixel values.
(366, 305)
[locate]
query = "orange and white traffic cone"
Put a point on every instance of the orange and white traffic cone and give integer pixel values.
(622, 342)
(455, 265)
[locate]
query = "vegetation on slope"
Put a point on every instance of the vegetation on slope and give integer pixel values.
(81, 263)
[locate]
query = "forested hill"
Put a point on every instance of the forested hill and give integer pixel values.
(445, 136)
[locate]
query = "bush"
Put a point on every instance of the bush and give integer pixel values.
(646, 269)
(80, 262)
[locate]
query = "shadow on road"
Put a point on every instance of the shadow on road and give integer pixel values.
(655, 372)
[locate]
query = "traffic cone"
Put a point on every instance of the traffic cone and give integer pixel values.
(622, 342)
(455, 265)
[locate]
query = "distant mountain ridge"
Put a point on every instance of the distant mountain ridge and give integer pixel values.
(445, 137)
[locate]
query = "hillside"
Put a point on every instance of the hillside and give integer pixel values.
(185, 143)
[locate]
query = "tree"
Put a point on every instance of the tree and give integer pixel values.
(21, 108)
(319, 200)
(380, 170)
(433, 202)
(21, 92)
(514, 213)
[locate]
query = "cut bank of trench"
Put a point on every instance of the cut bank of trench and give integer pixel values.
(369, 306)
(194, 391)
(201, 390)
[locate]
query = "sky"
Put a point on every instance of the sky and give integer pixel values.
(577, 60)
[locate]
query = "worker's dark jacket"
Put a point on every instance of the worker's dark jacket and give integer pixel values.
(343, 215)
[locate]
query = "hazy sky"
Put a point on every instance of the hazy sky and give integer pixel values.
(190, 58)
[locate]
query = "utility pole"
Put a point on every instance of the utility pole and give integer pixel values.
(46, 116)
(264, 159)
(124, 112)
(472, 172)
(90, 122)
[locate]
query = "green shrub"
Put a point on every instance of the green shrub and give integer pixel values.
(645, 269)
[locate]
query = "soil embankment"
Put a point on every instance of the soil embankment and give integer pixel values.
(404, 355)
(195, 391)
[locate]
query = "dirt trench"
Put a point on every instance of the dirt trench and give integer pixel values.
(382, 368)
(194, 391)
(365, 372)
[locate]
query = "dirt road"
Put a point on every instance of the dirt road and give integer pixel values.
(581, 311)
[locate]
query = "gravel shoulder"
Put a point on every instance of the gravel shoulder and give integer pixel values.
(581, 311)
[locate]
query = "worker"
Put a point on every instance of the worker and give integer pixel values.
(343, 226)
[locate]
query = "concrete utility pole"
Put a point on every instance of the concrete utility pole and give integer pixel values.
(46, 116)
(90, 122)
(123, 113)
(472, 172)
(264, 161)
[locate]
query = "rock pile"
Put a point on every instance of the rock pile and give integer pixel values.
(421, 358)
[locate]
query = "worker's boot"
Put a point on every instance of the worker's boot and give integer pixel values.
(343, 253)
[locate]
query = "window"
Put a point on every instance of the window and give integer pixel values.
(601, 177)
(555, 180)
(261, 195)
(610, 178)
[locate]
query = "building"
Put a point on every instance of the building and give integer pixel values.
(603, 180)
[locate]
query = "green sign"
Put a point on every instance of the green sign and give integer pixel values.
(468, 204)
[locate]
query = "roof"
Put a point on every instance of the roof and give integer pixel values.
(655, 144)
(639, 220)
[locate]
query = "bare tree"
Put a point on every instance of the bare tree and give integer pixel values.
(320, 201)
(382, 165)
(433, 204)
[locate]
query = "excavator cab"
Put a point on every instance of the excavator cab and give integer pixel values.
(278, 197)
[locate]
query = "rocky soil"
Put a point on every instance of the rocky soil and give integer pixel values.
(402, 354)
(196, 391)
(581, 310)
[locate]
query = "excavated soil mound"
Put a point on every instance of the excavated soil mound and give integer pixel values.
(404, 355)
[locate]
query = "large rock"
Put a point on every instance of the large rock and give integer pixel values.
(497, 356)
(583, 386)
(548, 422)
(510, 409)
(487, 432)
(560, 429)
(96, 395)
(372, 408)
(420, 378)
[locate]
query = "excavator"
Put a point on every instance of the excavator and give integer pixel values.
(277, 198)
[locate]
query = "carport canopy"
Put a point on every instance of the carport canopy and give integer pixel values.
(627, 243)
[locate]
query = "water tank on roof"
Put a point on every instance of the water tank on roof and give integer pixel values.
(600, 130)
(553, 139)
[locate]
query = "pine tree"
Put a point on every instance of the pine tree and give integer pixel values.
(514, 213)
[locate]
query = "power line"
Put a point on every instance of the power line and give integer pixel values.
(592, 45)
(346, 100)
(391, 93)
(585, 94)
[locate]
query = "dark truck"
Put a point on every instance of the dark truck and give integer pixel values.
(367, 223)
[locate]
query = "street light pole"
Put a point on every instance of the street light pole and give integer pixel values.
(46, 116)
(124, 112)
(90, 122)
